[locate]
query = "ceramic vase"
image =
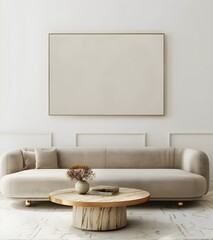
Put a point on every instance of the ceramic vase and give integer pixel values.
(82, 187)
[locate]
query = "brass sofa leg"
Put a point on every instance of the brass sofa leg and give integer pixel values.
(27, 203)
(180, 204)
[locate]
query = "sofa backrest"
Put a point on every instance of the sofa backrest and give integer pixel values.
(190, 160)
(117, 157)
(140, 158)
(94, 157)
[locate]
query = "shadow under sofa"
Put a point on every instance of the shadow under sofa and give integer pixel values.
(170, 174)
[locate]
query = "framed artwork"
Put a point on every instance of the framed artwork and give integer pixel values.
(106, 74)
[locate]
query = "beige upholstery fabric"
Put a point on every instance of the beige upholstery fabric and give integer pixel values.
(34, 183)
(167, 173)
(161, 183)
(46, 158)
(140, 158)
(29, 159)
(11, 161)
(94, 157)
(194, 161)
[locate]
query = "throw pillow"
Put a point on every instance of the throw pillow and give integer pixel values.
(46, 158)
(29, 159)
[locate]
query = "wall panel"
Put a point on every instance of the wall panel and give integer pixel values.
(111, 139)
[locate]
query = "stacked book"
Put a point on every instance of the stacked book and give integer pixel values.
(104, 190)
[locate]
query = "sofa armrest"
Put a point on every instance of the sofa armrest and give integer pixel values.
(193, 161)
(11, 162)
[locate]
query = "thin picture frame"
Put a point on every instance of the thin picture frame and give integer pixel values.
(114, 74)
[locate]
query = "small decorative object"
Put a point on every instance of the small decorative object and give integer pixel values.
(104, 190)
(82, 186)
(81, 173)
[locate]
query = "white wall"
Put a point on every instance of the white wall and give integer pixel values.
(24, 28)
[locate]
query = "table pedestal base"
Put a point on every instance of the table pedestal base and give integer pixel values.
(99, 218)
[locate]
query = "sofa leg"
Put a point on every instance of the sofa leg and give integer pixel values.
(27, 203)
(180, 204)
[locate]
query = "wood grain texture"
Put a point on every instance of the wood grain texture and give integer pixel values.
(99, 213)
(99, 219)
(125, 197)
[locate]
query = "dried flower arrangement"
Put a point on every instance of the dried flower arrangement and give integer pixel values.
(80, 172)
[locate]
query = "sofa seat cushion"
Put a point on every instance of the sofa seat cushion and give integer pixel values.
(160, 183)
(34, 183)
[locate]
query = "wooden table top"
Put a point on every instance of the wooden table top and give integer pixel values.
(125, 197)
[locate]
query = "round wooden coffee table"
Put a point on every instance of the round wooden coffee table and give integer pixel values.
(99, 213)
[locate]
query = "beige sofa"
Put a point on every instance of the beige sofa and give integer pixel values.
(167, 173)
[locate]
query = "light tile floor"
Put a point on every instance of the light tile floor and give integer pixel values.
(153, 220)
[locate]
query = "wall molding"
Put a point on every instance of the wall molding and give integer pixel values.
(140, 137)
(170, 134)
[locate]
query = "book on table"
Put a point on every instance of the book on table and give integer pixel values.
(104, 190)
